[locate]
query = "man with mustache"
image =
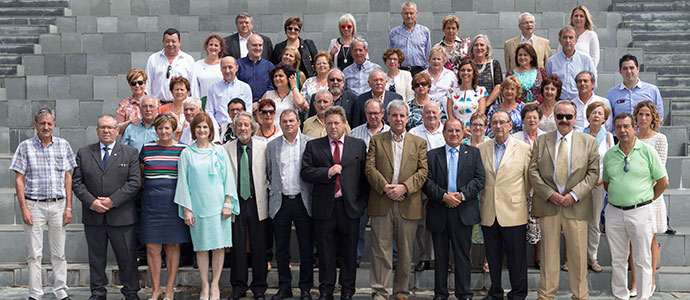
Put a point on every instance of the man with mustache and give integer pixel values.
(341, 97)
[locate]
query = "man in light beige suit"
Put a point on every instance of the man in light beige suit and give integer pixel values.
(396, 167)
(504, 206)
(540, 44)
(563, 170)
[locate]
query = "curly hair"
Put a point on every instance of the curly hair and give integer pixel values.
(656, 119)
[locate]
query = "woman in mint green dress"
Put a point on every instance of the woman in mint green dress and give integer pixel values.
(207, 196)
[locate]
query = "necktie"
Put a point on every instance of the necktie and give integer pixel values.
(106, 156)
(229, 135)
(453, 171)
(336, 160)
(562, 163)
(245, 189)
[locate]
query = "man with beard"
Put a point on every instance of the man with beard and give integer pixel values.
(377, 83)
(341, 97)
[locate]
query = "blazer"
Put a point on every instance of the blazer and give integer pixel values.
(120, 180)
(413, 173)
(232, 43)
(258, 173)
(504, 197)
(348, 100)
(307, 49)
(470, 181)
(540, 44)
(316, 161)
(388, 96)
(274, 169)
(584, 173)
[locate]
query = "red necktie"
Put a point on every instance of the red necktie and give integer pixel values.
(336, 160)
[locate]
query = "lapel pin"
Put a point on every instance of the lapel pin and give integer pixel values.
(465, 151)
(116, 154)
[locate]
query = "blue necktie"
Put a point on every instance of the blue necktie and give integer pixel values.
(453, 171)
(105, 156)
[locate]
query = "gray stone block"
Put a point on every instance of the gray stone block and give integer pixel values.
(547, 5)
(76, 138)
(114, 43)
(19, 113)
(100, 8)
(127, 24)
(37, 87)
(552, 19)
(3, 117)
(18, 135)
(106, 24)
(508, 20)
(482, 5)
(86, 24)
(67, 113)
(377, 20)
(134, 42)
(317, 6)
(623, 37)
(338, 5)
(154, 41)
(139, 59)
(89, 110)
(105, 88)
(80, 7)
(4, 135)
(75, 63)
(225, 7)
(672, 244)
(58, 87)
(199, 7)
(33, 64)
(525, 5)
(167, 21)
(147, 23)
(189, 23)
(268, 23)
(81, 86)
(66, 24)
(479, 21)
(70, 42)
(316, 22)
(50, 43)
(441, 5)
(7, 207)
(15, 87)
(119, 63)
(97, 63)
(181, 7)
(120, 8)
(36, 105)
(506, 5)
(92, 43)
(139, 7)
(160, 7)
(55, 64)
(375, 5)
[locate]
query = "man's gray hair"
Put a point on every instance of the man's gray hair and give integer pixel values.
(409, 4)
(244, 15)
(566, 29)
(372, 100)
(398, 105)
(362, 41)
(155, 100)
(323, 92)
(255, 126)
(434, 103)
(334, 70)
(563, 102)
(591, 76)
(193, 101)
(107, 116)
(525, 14)
(507, 113)
(44, 111)
(336, 110)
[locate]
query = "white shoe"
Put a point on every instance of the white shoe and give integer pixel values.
(633, 293)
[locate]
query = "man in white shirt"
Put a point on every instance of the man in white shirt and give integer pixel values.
(585, 81)
(237, 43)
(166, 64)
(541, 45)
(191, 107)
(221, 92)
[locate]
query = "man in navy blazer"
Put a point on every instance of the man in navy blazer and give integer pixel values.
(106, 181)
(245, 27)
(451, 211)
(377, 82)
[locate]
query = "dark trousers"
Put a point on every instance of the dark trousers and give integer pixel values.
(341, 232)
(293, 211)
(511, 241)
(123, 240)
(247, 223)
(459, 236)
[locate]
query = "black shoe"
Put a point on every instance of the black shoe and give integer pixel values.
(440, 298)
(305, 295)
(132, 297)
(141, 261)
(97, 297)
(422, 265)
(346, 297)
(282, 294)
(259, 297)
(66, 298)
(326, 297)
(32, 298)
(237, 296)
(670, 230)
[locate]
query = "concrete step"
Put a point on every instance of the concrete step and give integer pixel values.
(665, 58)
(661, 36)
(26, 29)
(19, 39)
(680, 118)
(19, 20)
(11, 70)
(656, 26)
(677, 137)
(679, 70)
(666, 16)
(10, 59)
(662, 46)
(679, 104)
(677, 92)
(34, 3)
(672, 80)
(652, 6)
(34, 11)
(17, 49)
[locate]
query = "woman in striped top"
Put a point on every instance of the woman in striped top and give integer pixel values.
(160, 223)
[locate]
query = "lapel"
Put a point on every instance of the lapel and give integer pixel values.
(490, 156)
(510, 148)
(96, 154)
(443, 165)
(387, 142)
(279, 148)
(231, 148)
(407, 145)
(551, 145)
(326, 148)
(114, 156)
(235, 42)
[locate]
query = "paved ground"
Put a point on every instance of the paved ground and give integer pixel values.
(17, 293)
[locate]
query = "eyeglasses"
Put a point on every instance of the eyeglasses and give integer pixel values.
(167, 74)
(476, 125)
(106, 127)
(267, 111)
(334, 79)
(295, 29)
(134, 83)
(626, 168)
(346, 26)
(566, 116)
(499, 122)
(418, 84)
(373, 113)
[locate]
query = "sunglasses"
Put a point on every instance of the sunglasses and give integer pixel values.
(418, 84)
(167, 74)
(346, 26)
(295, 29)
(267, 111)
(626, 168)
(566, 116)
(135, 83)
(335, 79)
(165, 115)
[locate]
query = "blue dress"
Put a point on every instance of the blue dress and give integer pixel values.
(159, 223)
(205, 177)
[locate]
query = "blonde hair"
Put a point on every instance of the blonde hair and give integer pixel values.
(348, 18)
(438, 49)
(588, 17)
(512, 80)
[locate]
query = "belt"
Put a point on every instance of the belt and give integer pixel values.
(291, 197)
(44, 200)
(641, 204)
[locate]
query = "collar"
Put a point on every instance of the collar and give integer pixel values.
(637, 85)
(231, 83)
(588, 99)
(341, 140)
(568, 136)
(505, 144)
(249, 144)
(439, 129)
(637, 146)
(523, 39)
(402, 136)
(456, 40)
(243, 39)
(296, 141)
(449, 147)
(110, 147)
(38, 141)
(179, 54)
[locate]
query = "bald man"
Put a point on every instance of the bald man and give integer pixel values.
(377, 83)
(221, 92)
(253, 69)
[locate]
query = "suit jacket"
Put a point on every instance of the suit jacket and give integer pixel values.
(470, 181)
(316, 161)
(388, 96)
(504, 197)
(540, 44)
(348, 100)
(120, 180)
(274, 169)
(258, 173)
(307, 49)
(413, 173)
(584, 173)
(232, 42)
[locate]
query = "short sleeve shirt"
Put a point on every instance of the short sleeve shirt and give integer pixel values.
(43, 167)
(636, 185)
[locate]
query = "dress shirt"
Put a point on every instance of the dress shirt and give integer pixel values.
(457, 153)
(588, 42)
(255, 75)
(290, 166)
(362, 132)
(397, 155)
(138, 135)
(109, 149)
(220, 94)
(357, 77)
(523, 40)
(499, 151)
(581, 119)
(243, 45)
(567, 68)
(341, 146)
(415, 44)
(569, 145)
(623, 99)
(433, 139)
(157, 83)
(43, 167)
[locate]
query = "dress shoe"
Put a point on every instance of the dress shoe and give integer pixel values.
(422, 265)
(32, 298)
(282, 294)
(132, 297)
(326, 297)
(440, 298)
(141, 261)
(670, 230)
(259, 297)
(237, 296)
(66, 298)
(305, 295)
(97, 297)
(346, 297)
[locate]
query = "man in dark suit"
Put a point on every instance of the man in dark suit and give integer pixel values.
(377, 82)
(456, 175)
(334, 164)
(106, 181)
(237, 43)
(341, 97)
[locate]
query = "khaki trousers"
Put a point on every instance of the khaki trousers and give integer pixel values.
(593, 230)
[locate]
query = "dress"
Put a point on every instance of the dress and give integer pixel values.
(660, 144)
(159, 223)
(311, 87)
(490, 75)
(204, 77)
(205, 177)
(514, 116)
(416, 113)
(531, 84)
(465, 103)
(477, 235)
(281, 104)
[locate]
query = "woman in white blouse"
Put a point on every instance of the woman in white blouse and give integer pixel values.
(207, 70)
(587, 39)
(399, 81)
(442, 79)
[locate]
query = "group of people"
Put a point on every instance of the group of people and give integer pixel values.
(230, 151)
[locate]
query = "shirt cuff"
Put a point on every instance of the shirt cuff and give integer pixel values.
(574, 196)
(463, 196)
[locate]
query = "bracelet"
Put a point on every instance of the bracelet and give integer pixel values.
(68, 208)
(227, 205)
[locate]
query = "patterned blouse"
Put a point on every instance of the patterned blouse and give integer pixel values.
(490, 74)
(310, 87)
(457, 53)
(531, 84)
(465, 103)
(128, 107)
(416, 118)
(514, 116)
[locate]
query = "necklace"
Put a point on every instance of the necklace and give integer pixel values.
(346, 52)
(283, 97)
(270, 135)
(482, 68)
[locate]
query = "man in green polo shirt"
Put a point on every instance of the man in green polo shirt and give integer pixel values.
(633, 176)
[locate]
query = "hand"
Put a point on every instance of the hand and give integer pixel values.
(556, 198)
(335, 169)
(98, 206)
(255, 106)
(188, 217)
(396, 192)
(293, 81)
(106, 202)
(567, 200)
(27, 218)
(599, 182)
(227, 212)
(335, 49)
(452, 199)
(66, 217)
(466, 132)
(134, 119)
